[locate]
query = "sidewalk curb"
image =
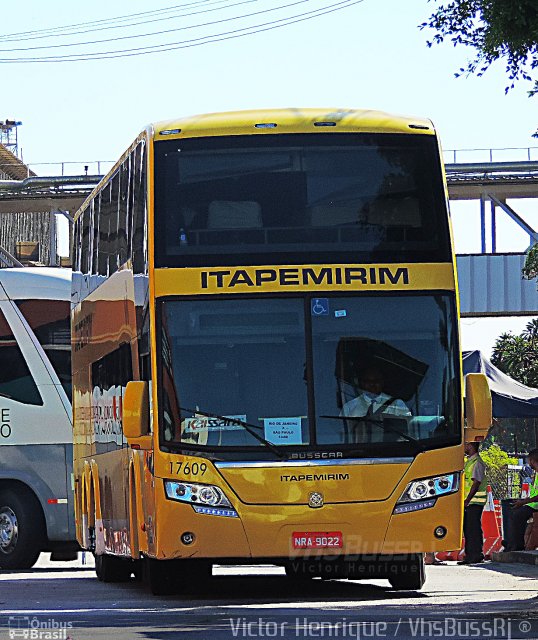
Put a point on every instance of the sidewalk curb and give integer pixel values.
(523, 557)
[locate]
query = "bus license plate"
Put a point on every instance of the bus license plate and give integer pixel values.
(317, 539)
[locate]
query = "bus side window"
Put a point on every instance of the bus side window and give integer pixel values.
(139, 242)
(115, 198)
(16, 381)
(105, 216)
(85, 232)
(77, 242)
(94, 230)
(109, 377)
(123, 214)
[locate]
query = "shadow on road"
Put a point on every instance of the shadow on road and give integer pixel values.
(219, 590)
(233, 602)
(36, 570)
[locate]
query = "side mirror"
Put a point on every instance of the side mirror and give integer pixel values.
(136, 412)
(477, 406)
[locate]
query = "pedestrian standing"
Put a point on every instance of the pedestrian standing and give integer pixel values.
(523, 509)
(475, 499)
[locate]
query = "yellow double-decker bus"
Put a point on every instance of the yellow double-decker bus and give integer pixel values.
(266, 361)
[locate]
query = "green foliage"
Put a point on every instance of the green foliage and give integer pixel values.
(517, 356)
(496, 458)
(504, 482)
(530, 268)
(513, 433)
(497, 29)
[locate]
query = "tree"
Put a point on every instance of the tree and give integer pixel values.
(496, 29)
(530, 268)
(517, 356)
(497, 462)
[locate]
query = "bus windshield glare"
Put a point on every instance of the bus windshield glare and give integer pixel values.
(302, 372)
(338, 197)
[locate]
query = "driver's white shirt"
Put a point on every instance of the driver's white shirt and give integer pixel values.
(358, 407)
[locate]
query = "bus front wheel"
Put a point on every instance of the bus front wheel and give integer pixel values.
(409, 575)
(161, 577)
(112, 568)
(21, 529)
(168, 577)
(297, 571)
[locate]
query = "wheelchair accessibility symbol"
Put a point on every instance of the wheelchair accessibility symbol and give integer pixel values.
(319, 306)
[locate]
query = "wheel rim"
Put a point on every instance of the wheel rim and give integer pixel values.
(9, 530)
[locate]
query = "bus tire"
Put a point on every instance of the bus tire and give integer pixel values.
(168, 577)
(22, 529)
(112, 568)
(138, 570)
(297, 571)
(409, 576)
(161, 577)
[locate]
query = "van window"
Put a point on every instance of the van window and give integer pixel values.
(50, 321)
(16, 381)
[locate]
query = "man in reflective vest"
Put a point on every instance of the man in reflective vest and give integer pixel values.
(475, 499)
(523, 509)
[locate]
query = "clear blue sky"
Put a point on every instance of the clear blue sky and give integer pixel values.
(368, 55)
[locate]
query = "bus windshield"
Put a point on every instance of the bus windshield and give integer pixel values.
(339, 197)
(331, 373)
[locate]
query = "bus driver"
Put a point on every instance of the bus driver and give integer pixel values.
(372, 404)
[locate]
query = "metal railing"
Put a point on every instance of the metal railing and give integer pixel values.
(71, 168)
(451, 156)
(505, 482)
(502, 154)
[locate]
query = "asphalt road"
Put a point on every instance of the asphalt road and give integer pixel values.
(57, 601)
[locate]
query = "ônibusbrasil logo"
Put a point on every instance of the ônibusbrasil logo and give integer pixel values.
(33, 628)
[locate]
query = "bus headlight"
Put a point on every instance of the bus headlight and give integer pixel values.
(423, 494)
(194, 493)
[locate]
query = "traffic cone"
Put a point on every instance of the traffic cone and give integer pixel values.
(490, 527)
(498, 513)
(447, 555)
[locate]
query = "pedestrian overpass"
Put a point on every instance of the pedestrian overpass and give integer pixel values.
(490, 283)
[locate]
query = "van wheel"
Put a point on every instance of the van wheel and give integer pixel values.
(21, 529)
(113, 569)
(410, 575)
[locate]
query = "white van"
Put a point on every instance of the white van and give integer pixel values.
(36, 451)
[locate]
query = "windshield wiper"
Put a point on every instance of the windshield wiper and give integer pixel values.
(385, 427)
(246, 426)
